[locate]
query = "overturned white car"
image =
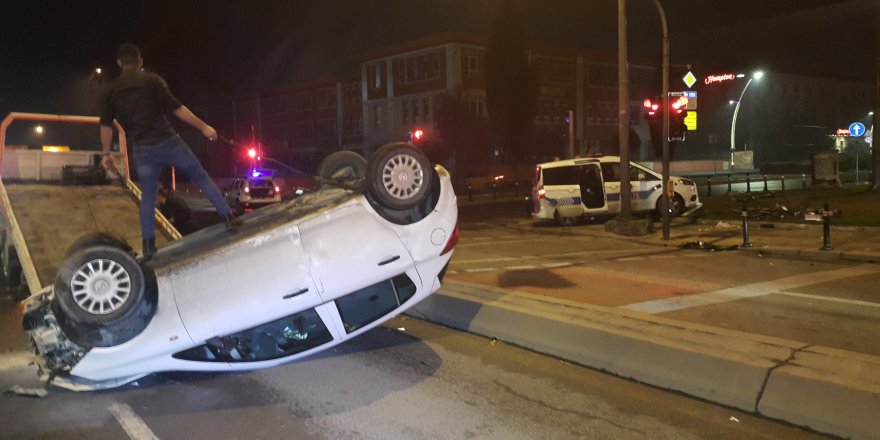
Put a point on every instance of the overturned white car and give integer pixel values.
(294, 279)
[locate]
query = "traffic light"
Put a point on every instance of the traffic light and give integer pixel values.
(677, 113)
(652, 110)
(252, 153)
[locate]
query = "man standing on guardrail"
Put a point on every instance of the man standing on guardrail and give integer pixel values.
(140, 101)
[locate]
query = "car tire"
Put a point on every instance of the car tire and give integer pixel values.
(99, 285)
(399, 176)
(338, 162)
(98, 239)
(677, 206)
(564, 221)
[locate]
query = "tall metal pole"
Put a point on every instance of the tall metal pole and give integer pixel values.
(664, 204)
(733, 124)
(569, 152)
(623, 112)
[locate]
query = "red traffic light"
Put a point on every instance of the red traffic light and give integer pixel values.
(679, 104)
(252, 153)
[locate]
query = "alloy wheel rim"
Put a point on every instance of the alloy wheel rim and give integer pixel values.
(100, 286)
(402, 176)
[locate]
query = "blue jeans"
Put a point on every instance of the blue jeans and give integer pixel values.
(149, 160)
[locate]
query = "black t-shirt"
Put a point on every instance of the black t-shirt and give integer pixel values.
(140, 101)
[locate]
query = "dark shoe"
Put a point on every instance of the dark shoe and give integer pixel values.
(232, 223)
(148, 249)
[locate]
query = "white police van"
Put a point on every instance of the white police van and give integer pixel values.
(568, 190)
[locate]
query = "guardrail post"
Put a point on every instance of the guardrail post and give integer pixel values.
(729, 183)
(783, 182)
(515, 188)
(826, 228)
(804, 181)
(745, 217)
(748, 183)
(470, 193)
(765, 183)
(709, 185)
(494, 191)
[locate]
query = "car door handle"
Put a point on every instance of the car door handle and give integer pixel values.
(297, 293)
(390, 260)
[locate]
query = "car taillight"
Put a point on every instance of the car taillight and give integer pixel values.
(247, 190)
(277, 190)
(453, 240)
(541, 192)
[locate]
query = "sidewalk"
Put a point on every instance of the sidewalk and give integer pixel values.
(825, 389)
(856, 243)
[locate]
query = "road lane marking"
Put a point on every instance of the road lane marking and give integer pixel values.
(133, 425)
(631, 259)
(520, 267)
(852, 302)
(526, 240)
(556, 264)
(481, 269)
(490, 260)
(749, 290)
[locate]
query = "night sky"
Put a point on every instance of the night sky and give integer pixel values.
(209, 51)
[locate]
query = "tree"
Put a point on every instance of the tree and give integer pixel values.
(461, 130)
(511, 84)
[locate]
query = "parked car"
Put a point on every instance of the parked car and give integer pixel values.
(568, 190)
(251, 193)
(294, 279)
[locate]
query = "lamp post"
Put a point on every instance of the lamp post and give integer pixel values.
(756, 75)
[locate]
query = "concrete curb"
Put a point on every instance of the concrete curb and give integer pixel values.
(832, 391)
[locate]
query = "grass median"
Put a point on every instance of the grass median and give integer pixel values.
(858, 205)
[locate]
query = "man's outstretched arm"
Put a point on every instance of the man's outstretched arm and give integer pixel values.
(106, 139)
(186, 115)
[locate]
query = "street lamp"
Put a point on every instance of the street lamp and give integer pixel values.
(38, 129)
(757, 75)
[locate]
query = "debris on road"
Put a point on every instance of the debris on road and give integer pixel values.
(734, 419)
(706, 246)
(18, 390)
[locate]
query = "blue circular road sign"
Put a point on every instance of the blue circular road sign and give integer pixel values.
(856, 129)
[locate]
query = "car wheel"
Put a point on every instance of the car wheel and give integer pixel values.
(399, 176)
(99, 285)
(98, 239)
(564, 221)
(343, 165)
(677, 206)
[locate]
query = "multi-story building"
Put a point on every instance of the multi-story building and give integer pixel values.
(398, 88)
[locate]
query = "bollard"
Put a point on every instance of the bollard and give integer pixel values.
(826, 228)
(515, 188)
(783, 183)
(804, 181)
(494, 191)
(745, 216)
(765, 183)
(748, 183)
(729, 183)
(470, 194)
(709, 185)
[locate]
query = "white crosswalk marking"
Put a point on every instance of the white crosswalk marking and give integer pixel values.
(133, 425)
(750, 290)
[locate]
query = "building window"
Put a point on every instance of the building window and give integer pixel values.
(327, 128)
(325, 98)
(415, 109)
(305, 130)
(303, 101)
(602, 75)
(374, 75)
(418, 68)
(377, 115)
(555, 69)
(404, 112)
(426, 109)
(473, 65)
(352, 93)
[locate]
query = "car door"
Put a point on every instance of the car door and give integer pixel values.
(645, 184)
(611, 175)
(592, 188)
(350, 247)
(245, 283)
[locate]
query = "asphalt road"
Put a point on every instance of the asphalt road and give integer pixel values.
(408, 380)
